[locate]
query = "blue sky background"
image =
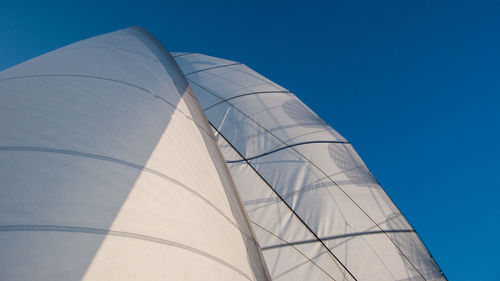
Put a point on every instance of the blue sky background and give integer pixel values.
(414, 85)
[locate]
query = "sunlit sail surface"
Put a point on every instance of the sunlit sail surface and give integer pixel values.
(122, 161)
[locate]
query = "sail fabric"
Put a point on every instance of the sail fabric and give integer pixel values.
(110, 171)
(122, 161)
(317, 210)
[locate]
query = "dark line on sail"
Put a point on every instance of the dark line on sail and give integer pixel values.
(174, 107)
(100, 231)
(77, 76)
(110, 48)
(185, 54)
(219, 66)
(120, 162)
(288, 244)
(247, 94)
(286, 204)
(338, 237)
(285, 147)
(319, 169)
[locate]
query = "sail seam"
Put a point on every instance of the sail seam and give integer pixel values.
(247, 94)
(76, 76)
(123, 163)
(184, 54)
(333, 237)
(109, 48)
(100, 231)
(285, 147)
(287, 243)
(319, 169)
(111, 80)
(286, 204)
(215, 67)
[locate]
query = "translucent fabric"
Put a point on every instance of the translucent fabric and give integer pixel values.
(122, 161)
(317, 210)
(110, 171)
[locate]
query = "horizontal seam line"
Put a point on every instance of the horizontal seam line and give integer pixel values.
(100, 231)
(111, 80)
(247, 94)
(77, 76)
(338, 237)
(110, 48)
(219, 66)
(323, 172)
(120, 162)
(185, 54)
(285, 147)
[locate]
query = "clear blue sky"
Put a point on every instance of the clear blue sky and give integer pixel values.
(414, 85)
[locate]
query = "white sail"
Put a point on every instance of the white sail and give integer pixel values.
(109, 171)
(317, 210)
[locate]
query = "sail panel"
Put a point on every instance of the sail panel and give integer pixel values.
(110, 171)
(300, 164)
